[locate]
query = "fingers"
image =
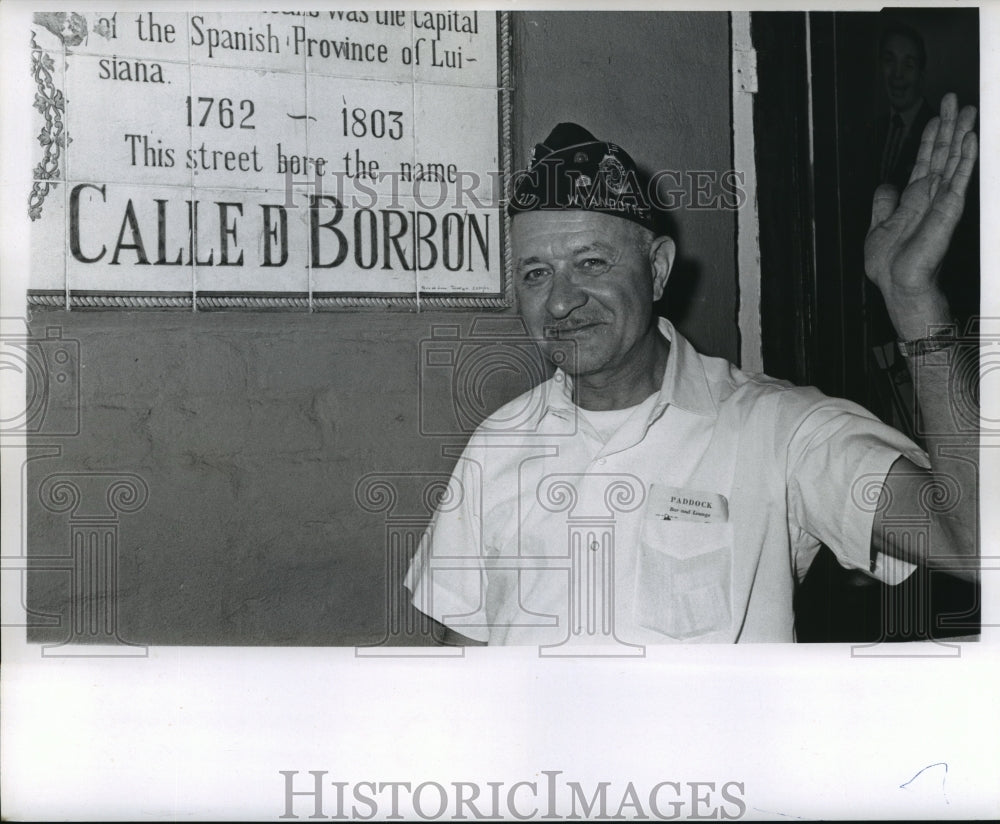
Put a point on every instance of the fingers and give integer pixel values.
(923, 162)
(883, 204)
(943, 145)
(967, 161)
(963, 127)
(945, 132)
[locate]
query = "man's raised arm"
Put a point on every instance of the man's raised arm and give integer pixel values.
(906, 243)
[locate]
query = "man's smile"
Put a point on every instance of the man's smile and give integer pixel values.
(562, 330)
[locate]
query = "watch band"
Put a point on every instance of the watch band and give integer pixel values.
(932, 343)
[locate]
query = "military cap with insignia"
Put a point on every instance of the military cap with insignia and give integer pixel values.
(572, 169)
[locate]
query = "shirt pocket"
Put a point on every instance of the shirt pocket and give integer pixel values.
(684, 578)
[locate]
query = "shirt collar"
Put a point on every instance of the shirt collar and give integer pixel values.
(685, 384)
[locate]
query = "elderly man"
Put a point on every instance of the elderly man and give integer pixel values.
(648, 494)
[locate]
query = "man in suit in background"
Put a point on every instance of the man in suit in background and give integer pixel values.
(902, 59)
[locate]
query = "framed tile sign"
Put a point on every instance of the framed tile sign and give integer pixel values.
(309, 160)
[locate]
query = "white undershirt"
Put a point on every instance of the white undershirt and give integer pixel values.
(608, 421)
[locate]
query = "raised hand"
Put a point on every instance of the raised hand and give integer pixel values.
(909, 234)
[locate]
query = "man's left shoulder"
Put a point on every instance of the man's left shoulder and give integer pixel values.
(766, 402)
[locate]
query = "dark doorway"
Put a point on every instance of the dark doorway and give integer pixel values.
(821, 116)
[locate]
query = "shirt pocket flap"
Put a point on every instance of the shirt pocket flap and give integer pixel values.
(684, 578)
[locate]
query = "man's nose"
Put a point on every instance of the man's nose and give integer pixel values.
(564, 296)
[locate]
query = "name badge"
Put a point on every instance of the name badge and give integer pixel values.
(672, 503)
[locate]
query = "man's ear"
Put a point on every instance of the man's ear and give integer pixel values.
(661, 261)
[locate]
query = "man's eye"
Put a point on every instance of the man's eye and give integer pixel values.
(593, 264)
(532, 275)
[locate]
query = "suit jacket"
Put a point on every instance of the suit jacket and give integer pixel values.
(899, 174)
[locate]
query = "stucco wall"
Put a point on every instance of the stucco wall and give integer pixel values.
(252, 430)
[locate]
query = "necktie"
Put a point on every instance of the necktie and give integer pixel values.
(893, 143)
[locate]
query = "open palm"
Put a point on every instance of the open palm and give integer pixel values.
(909, 234)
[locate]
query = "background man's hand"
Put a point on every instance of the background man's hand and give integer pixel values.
(909, 234)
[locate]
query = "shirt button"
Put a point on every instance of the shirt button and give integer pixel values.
(601, 461)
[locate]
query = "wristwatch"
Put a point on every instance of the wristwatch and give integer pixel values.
(932, 343)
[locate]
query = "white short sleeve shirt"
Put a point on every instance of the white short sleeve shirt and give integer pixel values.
(690, 523)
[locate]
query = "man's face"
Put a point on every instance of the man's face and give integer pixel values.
(584, 277)
(901, 72)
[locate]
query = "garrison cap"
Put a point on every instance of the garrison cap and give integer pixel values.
(572, 169)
